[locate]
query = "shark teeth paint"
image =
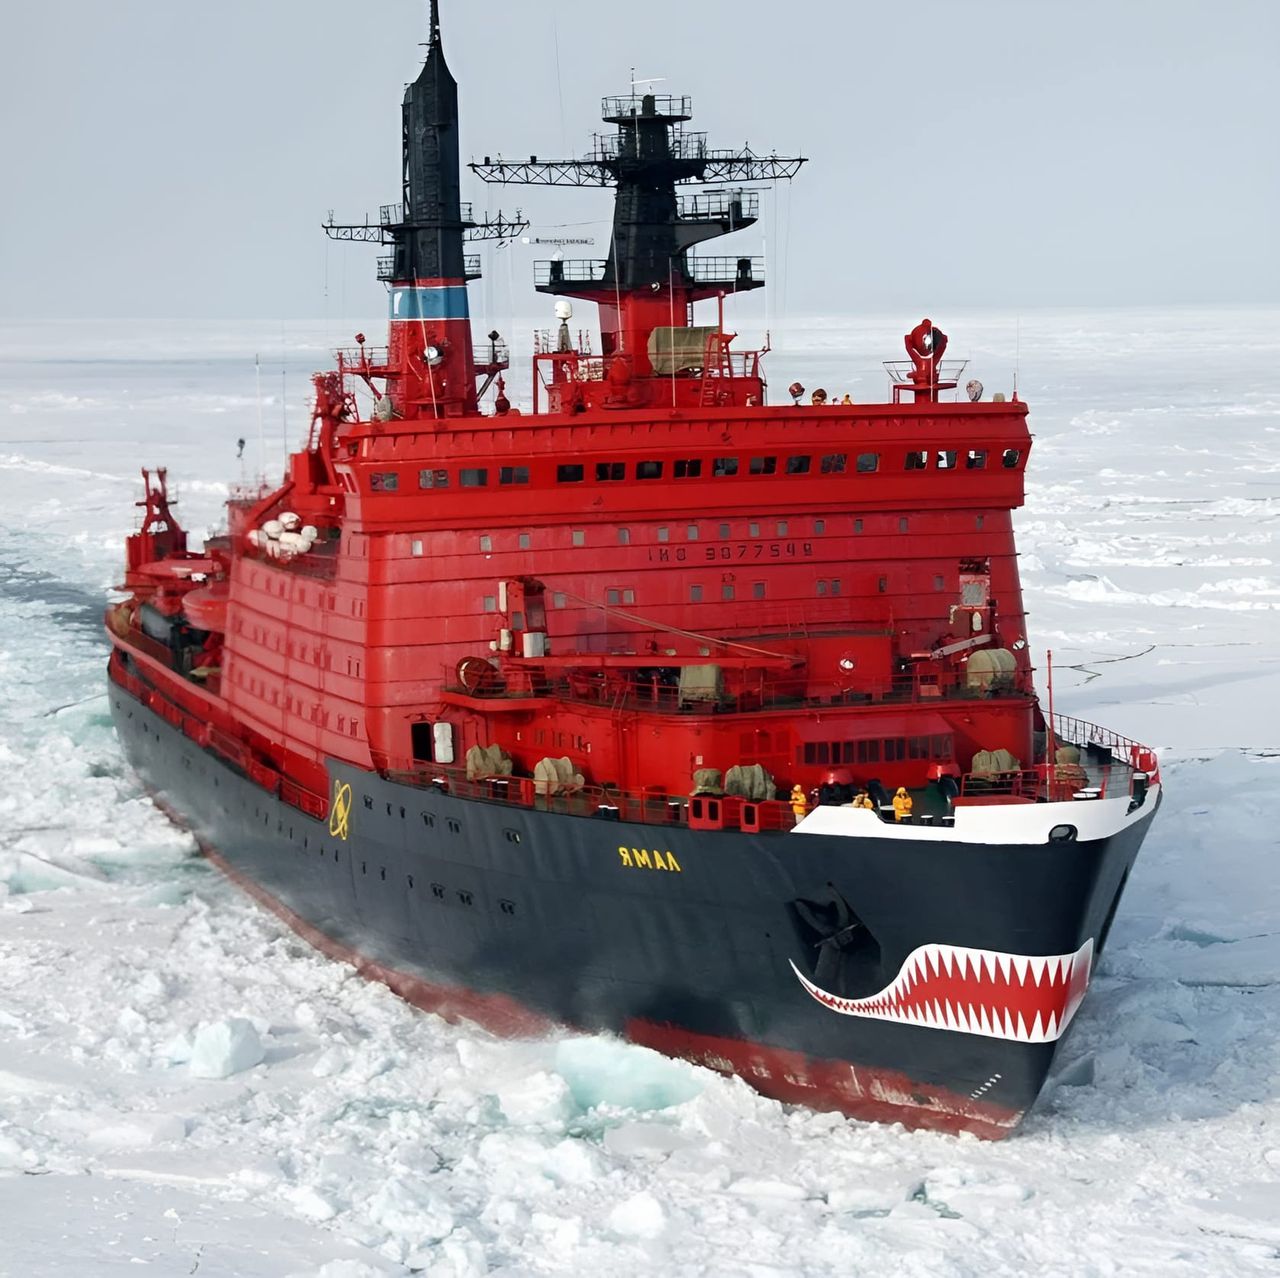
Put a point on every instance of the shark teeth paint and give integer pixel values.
(1025, 998)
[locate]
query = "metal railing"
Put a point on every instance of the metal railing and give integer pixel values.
(623, 107)
(623, 146)
(398, 215)
(725, 270)
(573, 271)
(495, 353)
(718, 206)
(900, 370)
(387, 266)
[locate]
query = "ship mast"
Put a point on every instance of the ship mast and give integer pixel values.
(431, 368)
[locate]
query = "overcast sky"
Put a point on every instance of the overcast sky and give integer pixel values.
(172, 158)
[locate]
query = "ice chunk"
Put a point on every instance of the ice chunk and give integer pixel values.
(223, 1048)
(640, 1216)
(534, 1099)
(603, 1071)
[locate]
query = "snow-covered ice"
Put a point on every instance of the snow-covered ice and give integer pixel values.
(185, 1086)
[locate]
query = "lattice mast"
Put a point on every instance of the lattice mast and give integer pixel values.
(650, 279)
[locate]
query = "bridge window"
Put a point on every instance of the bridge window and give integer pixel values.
(798, 465)
(753, 530)
(687, 467)
(624, 536)
(1011, 458)
(868, 463)
(579, 537)
(976, 459)
(613, 597)
(558, 599)
(415, 546)
(834, 463)
(608, 471)
(628, 596)
(490, 603)
(819, 527)
(664, 534)
(513, 475)
(726, 592)
(916, 460)
(474, 477)
(433, 479)
(763, 465)
(724, 532)
(902, 523)
(525, 541)
(695, 594)
(946, 459)
(857, 525)
(486, 544)
(649, 470)
(692, 532)
(757, 590)
(384, 481)
(724, 466)
(782, 527)
(569, 474)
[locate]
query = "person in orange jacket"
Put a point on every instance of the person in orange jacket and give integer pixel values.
(799, 804)
(902, 805)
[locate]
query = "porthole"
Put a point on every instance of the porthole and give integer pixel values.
(1063, 834)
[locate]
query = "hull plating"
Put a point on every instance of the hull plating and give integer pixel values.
(524, 919)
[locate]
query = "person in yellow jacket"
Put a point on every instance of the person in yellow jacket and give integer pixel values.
(863, 800)
(799, 804)
(902, 805)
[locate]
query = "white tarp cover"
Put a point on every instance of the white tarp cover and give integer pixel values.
(487, 761)
(556, 776)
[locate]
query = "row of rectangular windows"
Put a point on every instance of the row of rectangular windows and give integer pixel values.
(881, 750)
(388, 481)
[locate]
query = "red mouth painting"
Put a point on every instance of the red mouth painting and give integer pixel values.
(1027, 998)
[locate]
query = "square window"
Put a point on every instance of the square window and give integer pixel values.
(415, 547)
(628, 596)
(763, 465)
(724, 466)
(695, 594)
(819, 527)
(608, 471)
(386, 481)
(1010, 459)
(798, 465)
(946, 459)
(433, 479)
(976, 459)
(757, 590)
(513, 475)
(649, 470)
(724, 532)
(687, 467)
(624, 536)
(474, 477)
(868, 463)
(753, 530)
(664, 534)
(613, 597)
(525, 541)
(569, 474)
(782, 527)
(579, 537)
(490, 603)
(939, 582)
(726, 592)
(486, 543)
(834, 463)
(558, 599)
(692, 532)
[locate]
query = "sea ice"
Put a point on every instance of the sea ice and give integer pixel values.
(223, 1048)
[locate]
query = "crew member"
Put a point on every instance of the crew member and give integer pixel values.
(799, 804)
(902, 805)
(818, 398)
(863, 800)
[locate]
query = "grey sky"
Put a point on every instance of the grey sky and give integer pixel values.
(165, 158)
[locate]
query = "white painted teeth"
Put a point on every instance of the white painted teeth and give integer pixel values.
(1025, 998)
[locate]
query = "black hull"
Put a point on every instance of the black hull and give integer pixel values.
(520, 917)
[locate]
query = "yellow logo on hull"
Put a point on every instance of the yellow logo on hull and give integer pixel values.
(340, 813)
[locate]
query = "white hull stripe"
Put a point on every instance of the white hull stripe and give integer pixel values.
(1027, 998)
